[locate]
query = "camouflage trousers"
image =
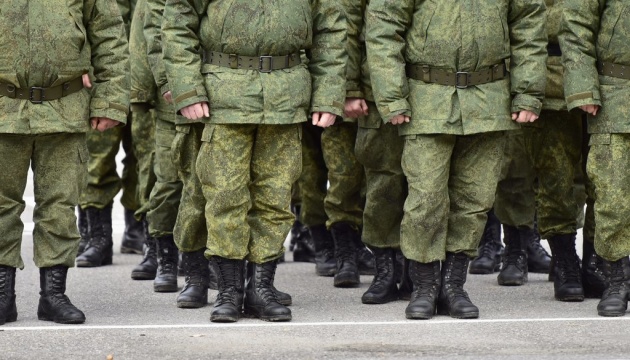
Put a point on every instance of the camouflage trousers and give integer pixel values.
(246, 173)
(103, 181)
(379, 149)
(542, 176)
(167, 191)
(343, 201)
(607, 167)
(313, 179)
(190, 231)
(59, 163)
(143, 133)
(452, 183)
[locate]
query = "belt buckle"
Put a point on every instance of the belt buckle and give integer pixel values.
(458, 84)
(261, 63)
(41, 95)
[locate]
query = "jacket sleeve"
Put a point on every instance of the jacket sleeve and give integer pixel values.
(181, 57)
(387, 22)
(578, 34)
(328, 57)
(528, 63)
(143, 87)
(108, 41)
(354, 10)
(153, 34)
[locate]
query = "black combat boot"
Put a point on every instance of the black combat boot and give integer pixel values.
(384, 287)
(593, 278)
(133, 237)
(82, 225)
(260, 298)
(147, 269)
(453, 299)
(567, 283)
(8, 310)
(301, 242)
(213, 280)
(195, 291)
(167, 258)
(405, 287)
(426, 279)
(229, 302)
(365, 259)
(514, 269)
(283, 298)
(614, 301)
(490, 248)
(347, 273)
(54, 305)
(538, 259)
(99, 248)
(325, 262)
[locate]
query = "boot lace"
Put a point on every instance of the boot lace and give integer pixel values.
(425, 281)
(455, 279)
(538, 250)
(568, 267)
(617, 279)
(384, 269)
(196, 270)
(57, 288)
(264, 286)
(228, 280)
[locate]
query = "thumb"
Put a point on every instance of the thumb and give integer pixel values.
(315, 118)
(364, 107)
(86, 81)
(206, 109)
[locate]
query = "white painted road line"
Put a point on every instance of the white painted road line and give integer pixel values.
(297, 324)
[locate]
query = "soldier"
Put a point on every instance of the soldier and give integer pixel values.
(379, 149)
(46, 52)
(439, 69)
(103, 183)
(252, 91)
(596, 59)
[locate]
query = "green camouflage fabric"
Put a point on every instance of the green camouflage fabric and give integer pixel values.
(456, 36)
(247, 172)
(313, 180)
(452, 183)
(167, 191)
(59, 167)
(191, 232)
(153, 32)
(143, 97)
(607, 167)
(380, 152)
(596, 30)
(343, 201)
(43, 46)
(554, 91)
(255, 28)
(127, 9)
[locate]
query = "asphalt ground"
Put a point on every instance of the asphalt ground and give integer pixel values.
(127, 320)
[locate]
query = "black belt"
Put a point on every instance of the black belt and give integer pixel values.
(460, 79)
(38, 95)
(264, 64)
(614, 70)
(554, 50)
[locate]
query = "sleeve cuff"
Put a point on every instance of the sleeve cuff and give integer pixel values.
(581, 99)
(355, 94)
(187, 98)
(526, 102)
(329, 109)
(394, 108)
(164, 88)
(109, 113)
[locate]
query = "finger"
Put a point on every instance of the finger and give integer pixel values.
(94, 123)
(185, 113)
(206, 109)
(86, 81)
(364, 107)
(595, 109)
(515, 116)
(315, 116)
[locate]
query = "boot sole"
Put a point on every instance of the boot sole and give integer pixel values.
(191, 304)
(325, 273)
(418, 316)
(276, 318)
(470, 315)
(142, 276)
(346, 283)
(512, 282)
(611, 313)
(165, 288)
(129, 250)
(378, 301)
(10, 318)
(48, 318)
(81, 263)
(574, 298)
(223, 318)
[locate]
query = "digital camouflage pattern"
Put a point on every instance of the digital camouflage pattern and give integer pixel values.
(313, 180)
(456, 36)
(191, 232)
(593, 31)
(447, 205)
(597, 30)
(254, 28)
(247, 172)
(49, 45)
(59, 167)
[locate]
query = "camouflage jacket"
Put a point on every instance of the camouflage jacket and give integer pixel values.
(127, 8)
(554, 92)
(143, 87)
(591, 31)
(49, 43)
(256, 28)
(462, 35)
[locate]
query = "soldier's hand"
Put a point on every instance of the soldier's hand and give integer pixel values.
(355, 107)
(524, 116)
(399, 119)
(323, 119)
(591, 109)
(168, 96)
(86, 81)
(196, 111)
(102, 123)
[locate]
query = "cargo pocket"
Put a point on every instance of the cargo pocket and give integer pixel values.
(179, 148)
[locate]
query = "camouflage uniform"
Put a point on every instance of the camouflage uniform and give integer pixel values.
(51, 136)
(597, 31)
(103, 181)
(250, 156)
(453, 146)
